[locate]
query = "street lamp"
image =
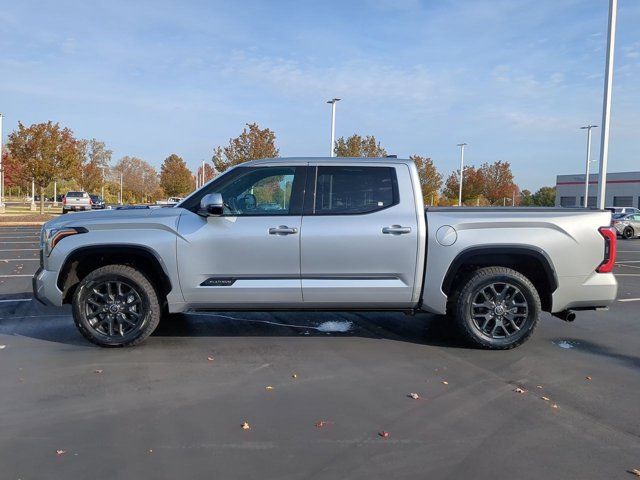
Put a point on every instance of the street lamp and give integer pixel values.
(333, 102)
(606, 104)
(586, 177)
(1, 171)
(461, 145)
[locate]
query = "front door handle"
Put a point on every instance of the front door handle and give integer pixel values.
(396, 230)
(282, 230)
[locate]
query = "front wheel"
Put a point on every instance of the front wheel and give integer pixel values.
(497, 308)
(116, 306)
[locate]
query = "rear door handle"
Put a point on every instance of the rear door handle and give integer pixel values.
(282, 230)
(396, 230)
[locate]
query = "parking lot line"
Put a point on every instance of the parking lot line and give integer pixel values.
(629, 299)
(35, 241)
(19, 259)
(628, 266)
(9, 300)
(7, 276)
(20, 250)
(627, 274)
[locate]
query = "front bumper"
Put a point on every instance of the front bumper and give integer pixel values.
(45, 289)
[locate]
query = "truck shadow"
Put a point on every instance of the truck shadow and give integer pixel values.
(422, 329)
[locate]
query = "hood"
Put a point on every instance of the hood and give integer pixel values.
(97, 217)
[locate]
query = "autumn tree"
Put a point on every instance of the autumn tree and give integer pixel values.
(13, 170)
(46, 152)
(472, 185)
(357, 146)
(175, 177)
(545, 197)
(497, 180)
(95, 160)
(430, 178)
(209, 173)
(252, 144)
(139, 179)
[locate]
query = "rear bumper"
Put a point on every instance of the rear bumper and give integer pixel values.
(597, 290)
(45, 289)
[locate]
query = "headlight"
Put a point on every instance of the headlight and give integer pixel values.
(51, 236)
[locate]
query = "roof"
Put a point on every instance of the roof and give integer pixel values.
(327, 159)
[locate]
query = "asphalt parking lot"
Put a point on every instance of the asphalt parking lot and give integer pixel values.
(564, 405)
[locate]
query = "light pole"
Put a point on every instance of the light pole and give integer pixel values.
(606, 104)
(120, 188)
(102, 188)
(33, 195)
(55, 193)
(1, 171)
(586, 177)
(461, 145)
(203, 177)
(333, 102)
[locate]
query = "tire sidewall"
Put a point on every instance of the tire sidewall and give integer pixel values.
(628, 233)
(79, 309)
(472, 289)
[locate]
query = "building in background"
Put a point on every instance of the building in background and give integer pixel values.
(623, 190)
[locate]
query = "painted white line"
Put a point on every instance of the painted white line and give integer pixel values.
(20, 250)
(628, 266)
(7, 276)
(627, 261)
(629, 299)
(628, 251)
(19, 260)
(9, 300)
(12, 242)
(627, 274)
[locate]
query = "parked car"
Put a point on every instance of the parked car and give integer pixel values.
(171, 201)
(97, 203)
(76, 201)
(347, 234)
(626, 225)
(619, 210)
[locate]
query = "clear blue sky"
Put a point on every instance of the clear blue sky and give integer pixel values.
(512, 78)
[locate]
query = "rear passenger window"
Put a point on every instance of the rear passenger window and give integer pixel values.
(353, 190)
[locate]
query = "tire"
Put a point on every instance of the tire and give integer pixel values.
(116, 306)
(502, 322)
(64, 211)
(628, 233)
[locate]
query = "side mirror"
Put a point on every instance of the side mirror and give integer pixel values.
(211, 205)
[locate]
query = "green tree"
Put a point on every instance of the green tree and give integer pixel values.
(357, 146)
(95, 161)
(252, 144)
(430, 178)
(526, 199)
(46, 152)
(175, 178)
(472, 186)
(545, 197)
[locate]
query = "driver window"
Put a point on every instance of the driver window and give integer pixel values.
(260, 191)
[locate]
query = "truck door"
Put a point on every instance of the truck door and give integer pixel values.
(359, 236)
(249, 256)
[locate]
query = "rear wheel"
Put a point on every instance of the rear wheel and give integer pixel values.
(497, 308)
(628, 233)
(116, 306)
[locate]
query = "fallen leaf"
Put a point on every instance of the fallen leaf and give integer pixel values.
(588, 378)
(444, 382)
(415, 396)
(246, 426)
(322, 423)
(210, 358)
(384, 434)
(634, 471)
(151, 450)
(546, 399)
(98, 371)
(295, 375)
(2, 347)
(519, 390)
(538, 386)
(268, 387)
(554, 406)
(60, 452)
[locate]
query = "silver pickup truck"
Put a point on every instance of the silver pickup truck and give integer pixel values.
(326, 234)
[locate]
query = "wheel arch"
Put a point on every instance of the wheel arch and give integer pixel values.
(531, 261)
(83, 260)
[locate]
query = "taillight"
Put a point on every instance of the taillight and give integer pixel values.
(64, 200)
(609, 235)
